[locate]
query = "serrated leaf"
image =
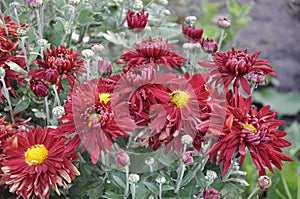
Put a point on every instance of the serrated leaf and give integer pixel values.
(21, 106)
(283, 103)
(151, 187)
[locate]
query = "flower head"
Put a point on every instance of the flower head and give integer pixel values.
(209, 45)
(211, 194)
(35, 3)
(39, 88)
(104, 68)
(224, 23)
(137, 21)
(188, 157)
(192, 34)
(38, 161)
(59, 63)
(245, 127)
(234, 66)
(152, 51)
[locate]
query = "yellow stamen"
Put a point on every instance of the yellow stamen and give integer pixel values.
(104, 97)
(180, 98)
(36, 155)
(250, 127)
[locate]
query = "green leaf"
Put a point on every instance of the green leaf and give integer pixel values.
(293, 136)
(151, 187)
(283, 103)
(16, 67)
(85, 16)
(21, 106)
(118, 181)
(59, 26)
(187, 178)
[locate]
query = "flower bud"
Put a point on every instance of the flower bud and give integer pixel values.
(42, 42)
(74, 2)
(138, 5)
(209, 45)
(51, 75)
(188, 157)
(133, 178)
(186, 139)
(256, 77)
(137, 21)
(104, 68)
(192, 34)
(224, 23)
(166, 12)
(160, 180)
(58, 111)
(190, 20)
(39, 88)
(97, 48)
(211, 175)
(122, 158)
(35, 3)
(264, 182)
(87, 54)
(2, 72)
(211, 194)
(21, 32)
(149, 161)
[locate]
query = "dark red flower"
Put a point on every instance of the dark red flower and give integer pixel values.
(38, 87)
(142, 87)
(93, 118)
(189, 99)
(211, 194)
(36, 161)
(233, 66)
(192, 34)
(245, 127)
(153, 51)
(137, 21)
(209, 45)
(10, 27)
(59, 63)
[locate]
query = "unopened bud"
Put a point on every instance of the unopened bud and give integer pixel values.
(190, 20)
(87, 54)
(160, 180)
(166, 12)
(122, 158)
(224, 23)
(211, 175)
(138, 5)
(42, 42)
(186, 139)
(97, 48)
(264, 182)
(149, 161)
(133, 178)
(188, 157)
(58, 111)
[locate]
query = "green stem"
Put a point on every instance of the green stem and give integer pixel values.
(133, 187)
(39, 23)
(56, 95)
(181, 172)
(254, 192)
(47, 110)
(221, 39)
(72, 17)
(6, 95)
(127, 181)
(160, 191)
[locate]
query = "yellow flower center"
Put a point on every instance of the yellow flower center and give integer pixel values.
(36, 155)
(104, 97)
(250, 127)
(94, 118)
(180, 98)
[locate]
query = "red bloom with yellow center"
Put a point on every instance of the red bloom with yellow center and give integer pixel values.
(188, 100)
(89, 113)
(153, 51)
(36, 161)
(233, 67)
(59, 63)
(245, 127)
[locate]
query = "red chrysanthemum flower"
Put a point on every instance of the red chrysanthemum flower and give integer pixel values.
(189, 99)
(93, 118)
(36, 161)
(233, 66)
(153, 51)
(8, 54)
(142, 87)
(10, 27)
(137, 21)
(245, 127)
(192, 34)
(59, 63)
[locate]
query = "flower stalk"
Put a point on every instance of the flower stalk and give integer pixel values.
(47, 110)
(72, 17)
(221, 38)
(254, 192)
(56, 95)
(181, 172)
(127, 181)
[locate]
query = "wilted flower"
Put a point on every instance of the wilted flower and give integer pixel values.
(35, 3)
(211, 194)
(137, 21)
(245, 127)
(37, 161)
(188, 157)
(224, 23)
(38, 87)
(122, 158)
(133, 178)
(264, 182)
(209, 45)
(153, 51)
(192, 34)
